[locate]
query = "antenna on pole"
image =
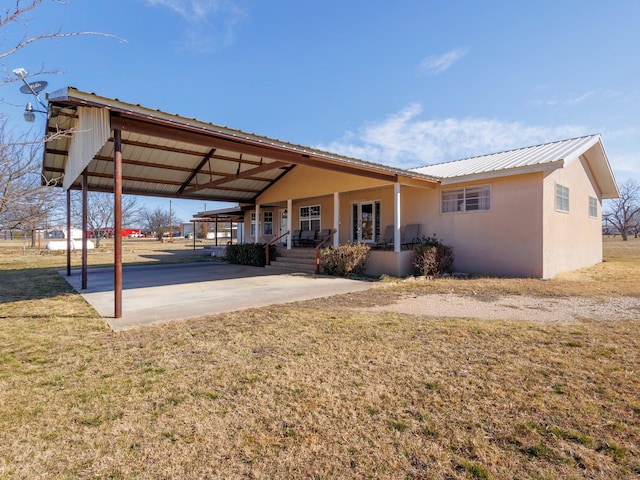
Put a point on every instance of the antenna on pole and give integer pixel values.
(32, 88)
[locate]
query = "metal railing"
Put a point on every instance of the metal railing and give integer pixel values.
(271, 242)
(320, 245)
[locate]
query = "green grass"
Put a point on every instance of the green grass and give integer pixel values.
(315, 389)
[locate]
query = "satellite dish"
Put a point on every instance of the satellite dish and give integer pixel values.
(33, 87)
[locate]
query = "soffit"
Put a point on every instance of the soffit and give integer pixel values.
(171, 156)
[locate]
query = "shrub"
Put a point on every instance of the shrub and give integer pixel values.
(343, 260)
(252, 254)
(432, 257)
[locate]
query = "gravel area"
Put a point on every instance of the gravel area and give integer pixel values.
(524, 308)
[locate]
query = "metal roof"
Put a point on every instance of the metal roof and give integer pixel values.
(172, 156)
(547, 156)
(167, 155)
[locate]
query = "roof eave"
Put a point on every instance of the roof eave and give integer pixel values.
(480, 176)
(598, 161)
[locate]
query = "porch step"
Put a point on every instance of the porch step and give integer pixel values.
(296, 252)
(295, 260)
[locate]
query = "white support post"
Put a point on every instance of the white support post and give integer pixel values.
(256, 238)
(289, 222)
(397, 237)
(336, 218)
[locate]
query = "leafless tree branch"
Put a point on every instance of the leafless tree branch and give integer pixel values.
(623, 213)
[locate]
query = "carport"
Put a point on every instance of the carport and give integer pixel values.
(100, 144)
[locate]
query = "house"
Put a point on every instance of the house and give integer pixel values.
(530, 212)
(61, 232)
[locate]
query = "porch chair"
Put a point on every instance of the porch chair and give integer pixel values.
(295, 238)
(411, 235)
(307, 238)
(387, 240)
(324, 234)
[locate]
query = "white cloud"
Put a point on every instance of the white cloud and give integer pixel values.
(190, 10)
(435, 64)
(211, 22)
(567, 101)
(405, 140)
(608, 95)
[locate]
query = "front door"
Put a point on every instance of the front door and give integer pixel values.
(366, 222)
(284, 225)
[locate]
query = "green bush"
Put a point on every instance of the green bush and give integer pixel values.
(343, 260)
(253, 254)
(432, 257)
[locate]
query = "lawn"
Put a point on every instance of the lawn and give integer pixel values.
(317, 389)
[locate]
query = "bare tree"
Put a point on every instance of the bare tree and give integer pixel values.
(623, 213)
(24, 203)
(157, 221)
(100, 213)
(14, 20)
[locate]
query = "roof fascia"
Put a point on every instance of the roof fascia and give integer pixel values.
(601, 169)
(547, 167)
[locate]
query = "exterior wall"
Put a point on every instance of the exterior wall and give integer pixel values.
(571, 239)
(326, 216)
(383, 194)
(505, 240)
(306, 182)
(261, 237)
(398, 264)
(326, 210)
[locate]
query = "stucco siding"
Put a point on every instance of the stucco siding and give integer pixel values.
(384, 195)
(572, 239)
(326, 216)
(305, 182)
(505, 240)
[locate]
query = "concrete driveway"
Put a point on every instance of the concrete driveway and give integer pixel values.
(159, 293)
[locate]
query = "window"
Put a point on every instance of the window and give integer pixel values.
(267, 218)
(562, 198)
(253, 224)
(310, 217)
(466, 199)
(593, 207)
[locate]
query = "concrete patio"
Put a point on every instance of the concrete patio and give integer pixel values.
(160, 293)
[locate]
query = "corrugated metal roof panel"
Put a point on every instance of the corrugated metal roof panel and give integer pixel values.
(538, 155)
(70, 95)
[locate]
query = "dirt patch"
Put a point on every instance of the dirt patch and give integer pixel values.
(512, 307)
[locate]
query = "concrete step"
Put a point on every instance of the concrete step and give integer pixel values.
(293, 267)
(296, 253)
(295, 260)
(280, 258)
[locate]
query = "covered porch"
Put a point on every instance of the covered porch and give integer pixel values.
(371, 214)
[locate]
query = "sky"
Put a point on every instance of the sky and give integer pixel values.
(407, 83)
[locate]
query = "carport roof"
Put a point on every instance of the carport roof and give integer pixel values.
(167, 155)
